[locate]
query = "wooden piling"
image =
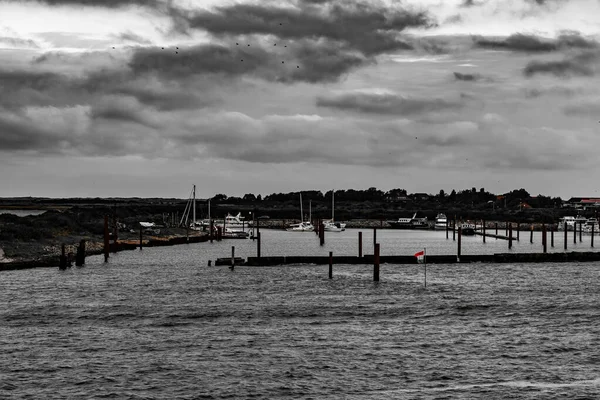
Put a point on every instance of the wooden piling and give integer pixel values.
(483, 229)
(459, 240)
(210, 233)
(258, 245)
(454, 229)
(322, 233)
(552, 236)
(580, 231)
(374, 236)
(531, 234)
(544, 239)
(376, 263)
(360, 241)
(232, 258)
(566, 235)
(331, 265)
(496, 231)
(510, 239)
(446, 228)
(592, 236)
(575, 233)
(106, 239)
(141, 231)
(518, 230)
(80, 256)
(63, 258)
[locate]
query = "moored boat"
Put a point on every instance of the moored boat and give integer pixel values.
(410, 223)
(440, 221)
(467, 229)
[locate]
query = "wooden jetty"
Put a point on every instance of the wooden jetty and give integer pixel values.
(575, 256)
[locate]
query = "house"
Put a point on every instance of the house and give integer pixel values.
(584, 202)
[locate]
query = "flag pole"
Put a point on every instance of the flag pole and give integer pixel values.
(425, 262)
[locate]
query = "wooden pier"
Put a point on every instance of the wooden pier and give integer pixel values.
(575, 256)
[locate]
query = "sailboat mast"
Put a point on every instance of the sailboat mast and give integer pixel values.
(194, 213)
(310, 211)
(332, 207)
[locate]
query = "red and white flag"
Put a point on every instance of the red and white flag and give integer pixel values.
(420, 256)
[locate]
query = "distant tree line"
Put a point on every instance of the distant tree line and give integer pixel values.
(468, 197)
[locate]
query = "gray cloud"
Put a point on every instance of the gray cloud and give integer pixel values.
(583, 64)
(18, 42)
(587, 108)
(385, 103)
(371, 29)
(530, 43)
(466, 77)
(132, 37)
(307, 61)
(91, 3)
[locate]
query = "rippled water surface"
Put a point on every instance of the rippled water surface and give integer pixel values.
(159, 323)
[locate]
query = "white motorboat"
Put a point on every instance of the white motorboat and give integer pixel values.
(467, 229)
(301, 227)
(571, 222)
(233, 222)
(410, 223)
(330, 225)
(440, 221)
(591, 225)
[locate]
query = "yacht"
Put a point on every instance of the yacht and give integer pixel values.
(571, 222)
(330, 225)
(410, 223)
(235, 222)
(467, 229)
(591, 225)
(440, 221)
(303, 226)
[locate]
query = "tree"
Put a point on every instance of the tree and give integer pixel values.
(249, 197)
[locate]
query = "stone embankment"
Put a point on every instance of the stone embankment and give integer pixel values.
(382, 224)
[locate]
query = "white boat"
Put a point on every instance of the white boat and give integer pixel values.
(571, 222)
(233, 222)
(191, 206)
(330, 225)
(410, 223)
(591, 225)
(467, 229)
(303, 226)
(440, 221)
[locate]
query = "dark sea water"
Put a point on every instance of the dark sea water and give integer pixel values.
(160, 324)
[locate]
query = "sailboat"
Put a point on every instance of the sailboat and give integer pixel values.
(190, 206)
(302, 226)
(331, 225)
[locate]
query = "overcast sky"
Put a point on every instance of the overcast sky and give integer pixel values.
(144, 98)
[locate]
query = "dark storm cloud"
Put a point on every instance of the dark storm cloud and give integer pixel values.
(530, 43)
(132, 37)
(91, 3)
(18, 42)
(371, 29)
(385, 103)
(580, 65)
(466, 77)
(307, 61)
